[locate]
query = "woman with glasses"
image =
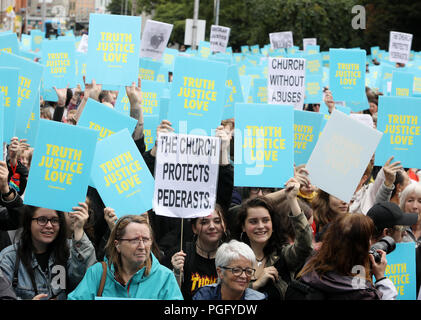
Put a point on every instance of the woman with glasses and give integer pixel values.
(45, 264)
(263, 229)
(235, 264)
(132, 270)
(195, 264)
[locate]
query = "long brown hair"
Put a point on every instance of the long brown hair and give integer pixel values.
(58, 247)
(345, 244)
(114, 257)
(322, 213)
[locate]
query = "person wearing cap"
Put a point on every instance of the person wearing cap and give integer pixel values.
(390, 220)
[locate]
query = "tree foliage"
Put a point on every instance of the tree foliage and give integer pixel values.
(329, 21)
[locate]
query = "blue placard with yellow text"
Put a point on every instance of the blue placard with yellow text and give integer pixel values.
(399, 120)
(401, 270)
(114, 46)
(347, 74)
(306, 132)
(61, 166)
(105, 120)
(58, 57)
(121, 176)
(263, 145)
(9, 80)
(197, 95)
(30, 74)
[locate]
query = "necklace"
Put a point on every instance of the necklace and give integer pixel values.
(208, 253)
(260, 261)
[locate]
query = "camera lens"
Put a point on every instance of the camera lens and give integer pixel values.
(387, 244)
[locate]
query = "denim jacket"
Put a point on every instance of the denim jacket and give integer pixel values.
(54, 282)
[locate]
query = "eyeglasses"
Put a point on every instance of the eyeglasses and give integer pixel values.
(237, 271)
(265, 191)
(42, 221)
(137, 241)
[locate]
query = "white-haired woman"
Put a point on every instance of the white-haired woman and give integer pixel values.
(410, 201)
(234, 263)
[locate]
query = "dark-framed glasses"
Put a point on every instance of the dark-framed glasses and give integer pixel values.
(42, 221)
(265, 191)
(237, 271)
(137, 241)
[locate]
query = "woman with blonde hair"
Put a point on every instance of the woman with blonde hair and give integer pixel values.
(132, 270)
(410, 201)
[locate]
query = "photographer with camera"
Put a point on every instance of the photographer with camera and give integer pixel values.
(342, 269)
(390, 220)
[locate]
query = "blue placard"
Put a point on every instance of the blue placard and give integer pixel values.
(399, 120)
(122, 103)
(121, 176)
(9, 81)
(236, 94)
(204, 49)
(197, 95)
(2, 139)
(246, 87)
(149, 69)
(312, 49)
(114, 46)
(30, 74)
(58, 57)
(107, 121)
(347, 74)
(33, 122)
(313, 64)
(37, 37)
(263, 145)
(401, 270)
(168, 58)
(9, 43)
(402, 84)
(61, 166)
(163, 110)
(25, 42)
(260, 91)
(314, 89)
(150, 125)
(80, 68)
(306, 133)
(151, 94)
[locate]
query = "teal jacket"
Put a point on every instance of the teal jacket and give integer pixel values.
(160, 284)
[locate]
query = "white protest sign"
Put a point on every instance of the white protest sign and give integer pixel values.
(219, 38)
(399, 46)
(341, 155)
(186, 174)
(155, 39)
(279, 40)
(200, 34)
(83, 44)
(286, 81)
(309, 42)
(363, 118)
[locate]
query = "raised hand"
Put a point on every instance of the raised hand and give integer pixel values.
(390, 170)
(79, 216)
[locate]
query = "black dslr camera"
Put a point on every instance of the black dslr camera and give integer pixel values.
(387, 244)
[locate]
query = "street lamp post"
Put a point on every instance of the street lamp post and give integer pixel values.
(195, 18)
(216, 11)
